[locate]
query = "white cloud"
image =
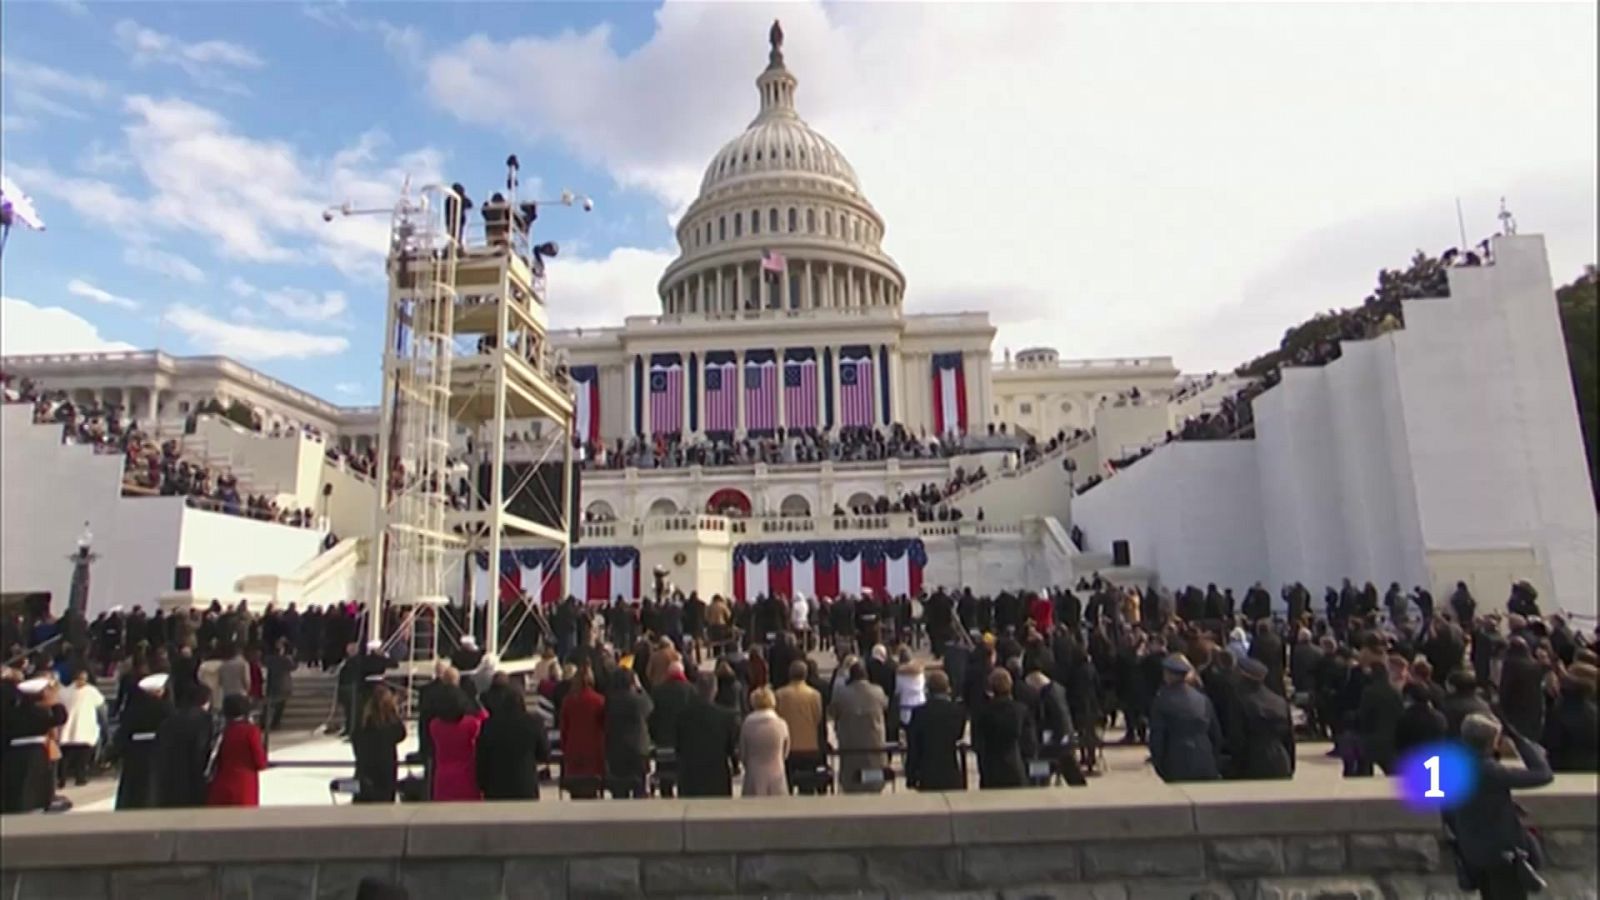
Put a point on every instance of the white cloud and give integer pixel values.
(28, 329)
(80, 288)
(1106, 178)
(11, 123)
(22, 73)
(39, 103)
(205, 61)
(48, 90)
(163, 263)
(347, 388)
(601, 292)
(249, 199)
(248, 342)
(76, 7)
(293, 303)
(403, 42)
(98, 159)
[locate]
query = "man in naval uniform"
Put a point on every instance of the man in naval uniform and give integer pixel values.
(147, 708)
(183, 753)
(27, 781)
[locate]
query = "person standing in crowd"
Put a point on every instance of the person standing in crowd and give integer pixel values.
(511, 746)
(858, 712)
(183, 752)
(279, 666)
(764, 747)
(627, 736)
(1379, 714)
(233, 674)
(86, 707)
(1492, 843)
(1522, 688)
(1262, 736)
(437, 696)
(667, 701)
(31, 710)
(146, 709)
(936, 727)
(800, 707)
(241, 758)
(1002, 736)
(1572, 728)
(375, 742)
(1462, 701)
(1185, 737)
(583, 732)
(1421, 723)
(455, 761)
(706, 737)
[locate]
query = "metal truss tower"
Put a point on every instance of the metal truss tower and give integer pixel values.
(477, 414)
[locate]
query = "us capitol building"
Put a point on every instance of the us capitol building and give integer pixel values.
(781, 312)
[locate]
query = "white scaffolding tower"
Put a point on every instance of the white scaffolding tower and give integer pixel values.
(466, 368)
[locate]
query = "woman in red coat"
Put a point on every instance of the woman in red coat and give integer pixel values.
(240, 758)
(455, 750)
(583, 728)
(1042, 612)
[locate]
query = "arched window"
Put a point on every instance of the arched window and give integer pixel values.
(755, 221)
(722, 228)
(738, 224)
(827, 222)
(794, 505)
(794, 220)
(772, 220)
(663, 507)
(811, 221)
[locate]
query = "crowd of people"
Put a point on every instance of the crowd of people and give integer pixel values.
(150, 468)
(687, 696)
(782, 447)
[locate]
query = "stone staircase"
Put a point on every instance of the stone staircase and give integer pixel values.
(310, 704)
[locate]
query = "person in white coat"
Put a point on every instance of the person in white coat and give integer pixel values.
(800, 620)
(86, 707)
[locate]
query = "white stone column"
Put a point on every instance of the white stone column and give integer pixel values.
(806, 299)
(897, 387)
(783, 419)
(683, 410)
(644, 397)
(738, 391)
(153, 414)
(738, 290)
(821, 401)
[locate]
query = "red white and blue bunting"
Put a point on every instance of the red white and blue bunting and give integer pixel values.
(828, 568)
(594, 573)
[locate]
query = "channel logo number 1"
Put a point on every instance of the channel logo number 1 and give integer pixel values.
(1437, 776)
(1433, 792)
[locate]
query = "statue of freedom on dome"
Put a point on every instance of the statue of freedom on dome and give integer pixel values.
(776, 36)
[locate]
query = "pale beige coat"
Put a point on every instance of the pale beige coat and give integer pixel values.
(763, 747)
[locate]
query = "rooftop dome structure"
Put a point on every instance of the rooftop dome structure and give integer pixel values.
(781, 223)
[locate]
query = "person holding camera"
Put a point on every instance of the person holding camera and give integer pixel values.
(1496, 854)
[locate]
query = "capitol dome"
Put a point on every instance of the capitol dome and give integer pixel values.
(781, 224)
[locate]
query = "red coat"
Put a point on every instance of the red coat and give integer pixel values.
(240, 760)
(1043, 614)
(583, 733)
(455, 757)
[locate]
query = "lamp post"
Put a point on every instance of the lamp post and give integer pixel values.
(78, 593)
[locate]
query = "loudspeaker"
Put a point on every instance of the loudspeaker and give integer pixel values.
(1119, 554)
(182, 578)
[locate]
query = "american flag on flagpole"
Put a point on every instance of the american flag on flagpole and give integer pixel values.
(666, 394)
(800, 389)
(855, 387)
(18, 207)
(722, 397)
(773, 263)
(761, 392)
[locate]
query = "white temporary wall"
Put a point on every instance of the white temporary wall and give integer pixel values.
(1449, 449)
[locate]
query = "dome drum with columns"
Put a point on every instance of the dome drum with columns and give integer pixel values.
(779, 186)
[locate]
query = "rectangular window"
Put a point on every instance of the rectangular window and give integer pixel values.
(794, 221)
(772, 221)
(722, 228)
(811, 221)
(794, 290)
(1025, 408)
(738, 224)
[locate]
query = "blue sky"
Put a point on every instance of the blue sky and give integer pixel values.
(1111, 180)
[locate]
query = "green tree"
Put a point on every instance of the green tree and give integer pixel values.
(1580, 323)
(1425, 277)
